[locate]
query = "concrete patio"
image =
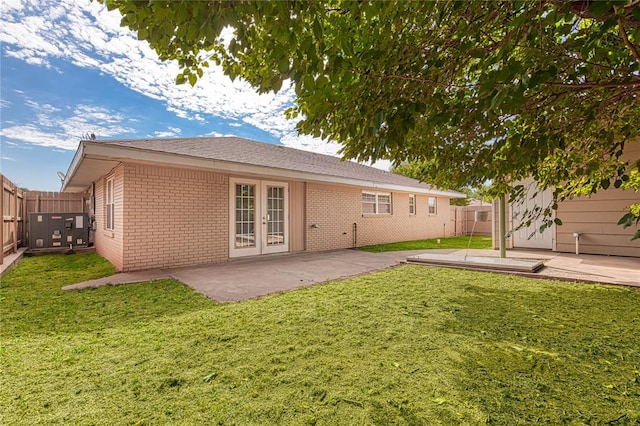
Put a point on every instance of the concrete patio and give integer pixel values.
(249, 278)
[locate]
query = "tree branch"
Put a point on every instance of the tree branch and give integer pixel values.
(581, 9)
(630, 45)
(632, 83)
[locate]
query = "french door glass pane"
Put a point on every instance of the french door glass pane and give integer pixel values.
(275, 215)
(245, 216)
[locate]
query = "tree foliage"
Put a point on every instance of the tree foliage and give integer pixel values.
(478, 91)
(415, 170)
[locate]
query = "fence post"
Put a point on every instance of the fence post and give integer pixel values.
(15, 219)
(25, 218)
(2, 227)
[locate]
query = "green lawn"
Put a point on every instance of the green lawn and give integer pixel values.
(445, 243)
(407, 346)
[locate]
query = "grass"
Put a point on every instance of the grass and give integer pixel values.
(445, 243)
(406, 346)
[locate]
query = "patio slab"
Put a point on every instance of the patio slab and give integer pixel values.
(479, 262)
(249, 278)
(566, 266)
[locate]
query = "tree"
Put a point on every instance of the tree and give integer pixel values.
(415, 170)
(497, 90)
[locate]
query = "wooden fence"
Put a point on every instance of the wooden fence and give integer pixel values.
(463, 221)
(56, 202)
(12, 205)
(16, 204)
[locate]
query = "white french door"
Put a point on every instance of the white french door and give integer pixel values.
(258, 217)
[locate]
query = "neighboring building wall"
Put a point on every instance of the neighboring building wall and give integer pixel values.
(174, 217)
(596, 219)
(109, 243)
(333, 209)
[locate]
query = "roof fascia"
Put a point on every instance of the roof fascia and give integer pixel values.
(73, 167)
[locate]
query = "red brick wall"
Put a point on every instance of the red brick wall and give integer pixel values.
(171, 217)
(174, 217)
(109, 243)
(334, 209)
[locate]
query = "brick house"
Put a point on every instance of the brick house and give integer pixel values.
(162, 203)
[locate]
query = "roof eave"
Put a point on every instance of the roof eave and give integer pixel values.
(75, 163)
(114, 153)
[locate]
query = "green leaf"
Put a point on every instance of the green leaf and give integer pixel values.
(193, 79)
(143, 33)
(283, 65)
(599, 8)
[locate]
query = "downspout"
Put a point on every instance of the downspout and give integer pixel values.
(502, 228)
(355, 235)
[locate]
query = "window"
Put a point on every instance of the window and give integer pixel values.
(110, 207)
(368, 203)
(433, 203)
(376, 203)
(412, 204)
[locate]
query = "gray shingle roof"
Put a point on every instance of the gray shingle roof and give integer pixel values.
(244, 151)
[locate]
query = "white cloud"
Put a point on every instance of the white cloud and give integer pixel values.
(220, 135)
(87, 35)
(170, 132)
(7, 6)
(5, 158)
(55, 128)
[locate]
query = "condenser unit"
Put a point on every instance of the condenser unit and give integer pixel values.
(58, 230)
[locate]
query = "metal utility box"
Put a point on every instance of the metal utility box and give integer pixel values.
(58, 230)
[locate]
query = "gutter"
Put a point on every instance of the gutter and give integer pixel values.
(77, 158)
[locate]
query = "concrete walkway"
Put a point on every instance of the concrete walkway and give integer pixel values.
(123, 278)
(249, 278)
(11, 260)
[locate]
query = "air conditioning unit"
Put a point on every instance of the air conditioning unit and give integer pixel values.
(58, 230)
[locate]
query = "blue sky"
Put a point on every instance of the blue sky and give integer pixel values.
(68, 69)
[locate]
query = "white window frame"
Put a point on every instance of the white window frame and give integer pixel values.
(110, 205)
(432, 209)
(412, 205)
(377, 204)
(369, 203)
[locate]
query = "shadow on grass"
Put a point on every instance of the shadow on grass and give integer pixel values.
(455, 243)
(33, 302)
(555, 353)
